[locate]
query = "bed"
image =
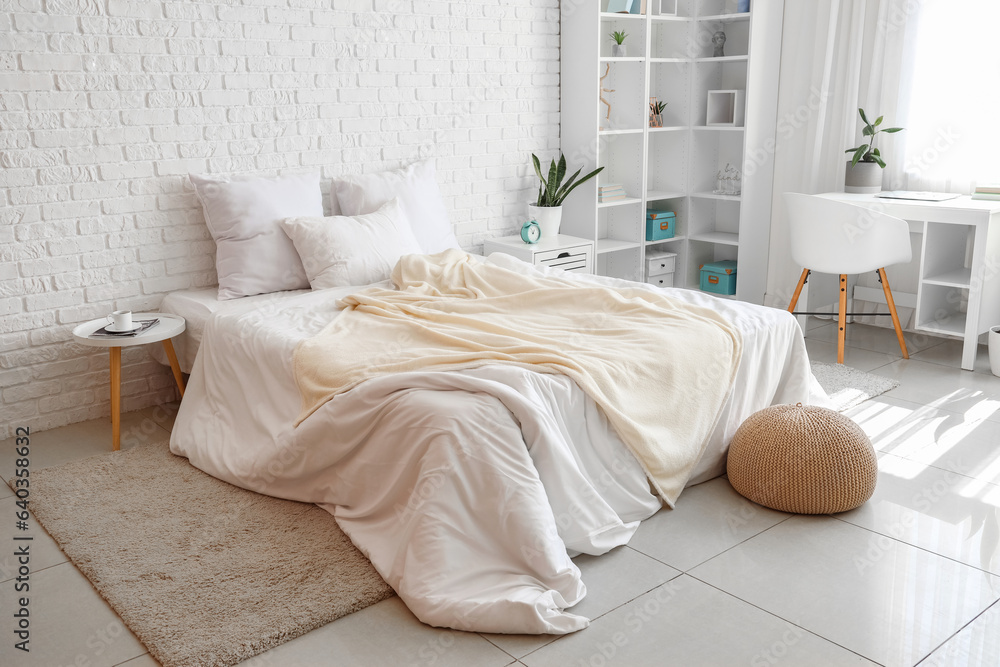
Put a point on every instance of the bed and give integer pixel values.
(469, 490)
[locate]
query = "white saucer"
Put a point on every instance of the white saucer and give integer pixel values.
(135, 326)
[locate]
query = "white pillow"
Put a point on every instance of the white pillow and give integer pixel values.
(253, 256)
(341, 250)
(419, 198)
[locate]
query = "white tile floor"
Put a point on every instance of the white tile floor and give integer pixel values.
(912, 577)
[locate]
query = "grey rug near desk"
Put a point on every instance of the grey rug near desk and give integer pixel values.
(204, 573)
(848, 386)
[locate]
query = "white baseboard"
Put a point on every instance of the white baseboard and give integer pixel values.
(876, 295)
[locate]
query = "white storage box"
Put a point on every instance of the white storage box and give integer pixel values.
(660, 262)
(662, 280)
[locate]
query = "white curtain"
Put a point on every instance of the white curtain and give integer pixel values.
(951, 97)
(837, 55)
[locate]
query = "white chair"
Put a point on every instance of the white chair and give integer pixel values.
(834, 237)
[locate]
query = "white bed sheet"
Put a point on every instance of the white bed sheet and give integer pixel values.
(236, 423)
(197, 306)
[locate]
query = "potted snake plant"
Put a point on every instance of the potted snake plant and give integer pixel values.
(864, 169)
(552, 192)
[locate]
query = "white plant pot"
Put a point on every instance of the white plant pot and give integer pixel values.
(548, 218)
(863, 178)
(994, 345)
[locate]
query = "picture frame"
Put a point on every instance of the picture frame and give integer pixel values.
(668, 7)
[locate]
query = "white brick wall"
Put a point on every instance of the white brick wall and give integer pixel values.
(106, 105)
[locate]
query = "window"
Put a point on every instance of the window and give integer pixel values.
(952, 117)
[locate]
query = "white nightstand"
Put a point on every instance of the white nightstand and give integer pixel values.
(169, 326)
(569, 253)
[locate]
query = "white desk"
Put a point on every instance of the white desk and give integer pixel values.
(959, 262)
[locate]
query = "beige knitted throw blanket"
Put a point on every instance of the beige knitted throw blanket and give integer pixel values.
(660, 369)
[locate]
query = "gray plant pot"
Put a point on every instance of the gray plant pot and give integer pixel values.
(863, 178)
(618, 51)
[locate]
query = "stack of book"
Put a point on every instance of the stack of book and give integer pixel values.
(611, 192)
(987, 191)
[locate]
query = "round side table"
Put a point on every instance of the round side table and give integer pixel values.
(169, 326)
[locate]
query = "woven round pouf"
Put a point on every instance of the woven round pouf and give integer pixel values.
(802, 459)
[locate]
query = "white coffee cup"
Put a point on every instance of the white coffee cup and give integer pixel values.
(120, 320)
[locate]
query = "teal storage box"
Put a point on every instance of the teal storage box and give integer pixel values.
(660, 225)
(719, 277)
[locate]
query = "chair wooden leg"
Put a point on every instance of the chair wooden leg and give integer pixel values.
(842, 319)
(798, 290)
(892, 311)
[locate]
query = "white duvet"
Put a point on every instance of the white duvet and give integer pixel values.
(468, 490)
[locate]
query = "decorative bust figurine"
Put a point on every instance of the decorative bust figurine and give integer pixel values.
(719, 41)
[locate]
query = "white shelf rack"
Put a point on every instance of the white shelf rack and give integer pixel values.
(674, 167)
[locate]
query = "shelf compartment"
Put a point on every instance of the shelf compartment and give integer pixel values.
(671, 83)
(948, 254)
(667, 163)
(670, 40)
(714, 221)
(621, 226)
(716, 75)
(621, 157)
(942, 309)
(619, 261)
(626, 85)
(703, 252)
(736, 46)
(710, 153)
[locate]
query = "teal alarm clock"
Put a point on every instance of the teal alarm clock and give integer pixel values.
(531, 232)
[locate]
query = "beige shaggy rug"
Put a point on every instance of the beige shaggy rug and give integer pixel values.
(203, 572)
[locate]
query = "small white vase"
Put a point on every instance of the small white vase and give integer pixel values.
(994, 346)
(863, 178)
(548, 218)
(617, 50)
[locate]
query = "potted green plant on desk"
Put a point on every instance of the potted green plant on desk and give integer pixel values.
(864, 169)
(547, 209)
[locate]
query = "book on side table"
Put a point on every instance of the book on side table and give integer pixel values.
(143, 326)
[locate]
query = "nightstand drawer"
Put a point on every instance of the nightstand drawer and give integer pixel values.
(567, 259)
(569, 253)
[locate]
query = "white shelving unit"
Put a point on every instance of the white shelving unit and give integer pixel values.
(670, 57)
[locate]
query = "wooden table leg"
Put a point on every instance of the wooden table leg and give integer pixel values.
(174, 366)
(116, 398)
